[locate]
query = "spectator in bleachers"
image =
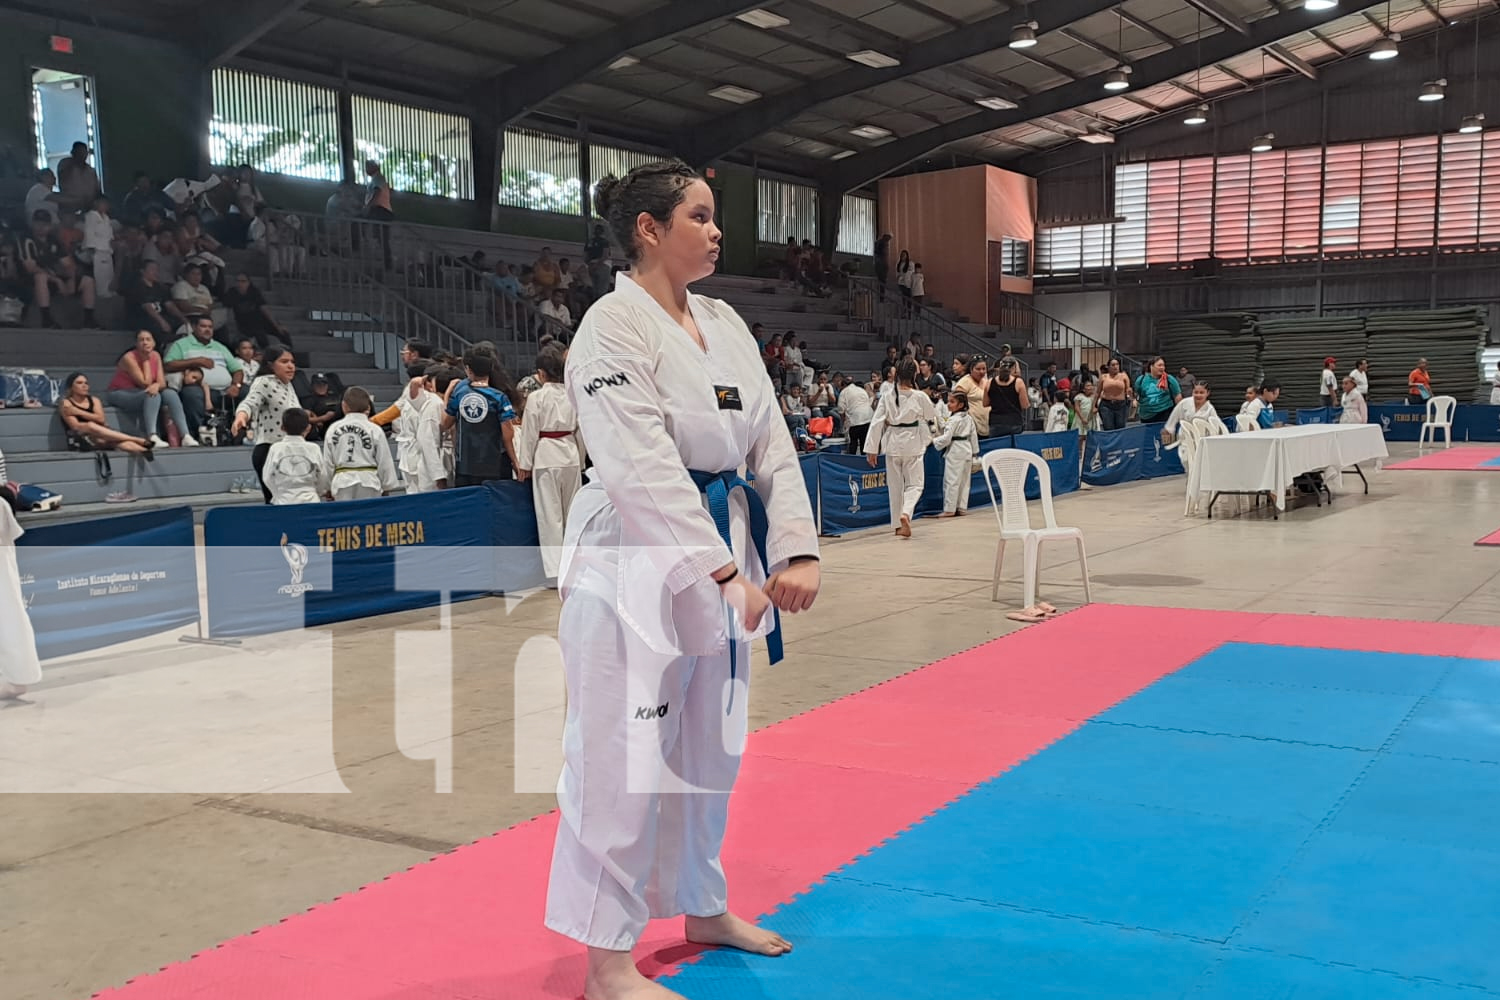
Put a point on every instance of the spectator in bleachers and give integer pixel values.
(545, 275)
(1047, 384)
(98, 252)
(149, 304)
(252, 316)
(77, 179)
(931, 381)
(42, 255)
(504, 280)
(250, 358)
(596, 256)
(324, 406)
(794, 409)
(264, 406)
(198, 247)
(791, 359)
(883, 262)
(974, 381)
(162, 251)
(918, 285)
(223, 375)
(791, 261)
(1353, 402)
(140, 387)
(192, 297)
(823, 401)
(294, 471)
(772, 357)
(143, 197)
(86, 426)
(42, 197)
(556, 308)
(378, 207)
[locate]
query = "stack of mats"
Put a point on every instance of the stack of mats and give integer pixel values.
(1220, 349)
(1293, 349)
(1450, 340)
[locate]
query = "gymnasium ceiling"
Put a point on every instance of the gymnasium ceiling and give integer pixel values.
(648, 69)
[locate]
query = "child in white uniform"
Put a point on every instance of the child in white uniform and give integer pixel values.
(549, 447)
(959, 443)
(294, 471)
(356, 453)
(661, 581)
(903, 425)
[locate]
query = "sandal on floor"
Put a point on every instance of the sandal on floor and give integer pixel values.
(1028, 615)
(1045, 608)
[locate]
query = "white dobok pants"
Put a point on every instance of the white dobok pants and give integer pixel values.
(957, 476)
(552, 491)
(18, 659)
(903, 480)
(644, 792)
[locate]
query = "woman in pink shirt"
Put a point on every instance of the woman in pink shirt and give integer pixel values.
(139, 387)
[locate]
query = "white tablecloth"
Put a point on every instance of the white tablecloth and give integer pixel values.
(1268, 461)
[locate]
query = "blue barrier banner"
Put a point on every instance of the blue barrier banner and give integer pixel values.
(1112, 457)
(1157, 460)
(1398, 422)
(516, 562)
(1060, 449)
(1476, 422)
(1315, 415)
(851, 494)
(96, 583)
(276, 568)
(810, 466)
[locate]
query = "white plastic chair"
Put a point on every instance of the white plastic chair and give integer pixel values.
(1243, 423)
(1189, 433)
(1439, 418)
(1008, 467)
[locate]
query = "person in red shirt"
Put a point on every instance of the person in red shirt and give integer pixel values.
(1419, 384)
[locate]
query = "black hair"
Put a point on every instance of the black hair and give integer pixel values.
(272, 355)
(962, 397)
(653, 188)
(550, 363)
(420, 349)
(68, 382)
(443, 376)
(1270, 385)
(481, 363)
(294, 422)
(417, 369)
(964, 361)
(906, 371)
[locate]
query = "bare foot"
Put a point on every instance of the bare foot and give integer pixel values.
(9, 691)
(613, 976)
(947, 513)
(905, 530)
(730, 931)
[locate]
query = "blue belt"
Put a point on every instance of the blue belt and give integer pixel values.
(717, 486)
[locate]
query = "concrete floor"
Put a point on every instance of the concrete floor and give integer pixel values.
(265, 779)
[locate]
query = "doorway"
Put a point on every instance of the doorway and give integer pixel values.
(63, 111)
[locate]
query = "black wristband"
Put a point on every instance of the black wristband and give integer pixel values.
(728, 578)
(794, 560)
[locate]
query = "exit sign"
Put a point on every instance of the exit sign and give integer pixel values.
(63, 44)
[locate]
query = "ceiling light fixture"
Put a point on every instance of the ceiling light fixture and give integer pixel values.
(1471, 124)
(1023, 36)
(1432, 91)
(1320, 4)
(1197, 116)
(870, 132)
(996, 103)
(1118, 79)
(873, 59)
(762, 19)
(1475, 122)
(735, 95)
(1263, 143)
(1386, 48)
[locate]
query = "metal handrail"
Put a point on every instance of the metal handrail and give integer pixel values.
(421, 285)
(897, 318)
(1056, 340)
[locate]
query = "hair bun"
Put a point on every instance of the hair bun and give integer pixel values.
(605, 193)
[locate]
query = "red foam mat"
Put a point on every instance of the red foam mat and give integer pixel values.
(1493, 538)
(1457, 459)
(815, 791)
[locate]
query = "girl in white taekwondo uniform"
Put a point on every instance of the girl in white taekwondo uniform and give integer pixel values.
(903, 425)
(671, 562)
(959, 443)
(549, 447)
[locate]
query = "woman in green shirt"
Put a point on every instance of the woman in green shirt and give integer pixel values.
(1158, 392)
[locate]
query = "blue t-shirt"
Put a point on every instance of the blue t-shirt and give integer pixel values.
(1267, 418)
(481, 413)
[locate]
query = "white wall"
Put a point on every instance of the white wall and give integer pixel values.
(1090, 313)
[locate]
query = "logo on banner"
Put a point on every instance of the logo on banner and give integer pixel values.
(296, 561)
(1156, 442)
(854, 494)
(1096, 464)
(1385, 422)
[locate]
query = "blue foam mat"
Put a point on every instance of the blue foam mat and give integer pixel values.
(1127, 861)
(1375, 673)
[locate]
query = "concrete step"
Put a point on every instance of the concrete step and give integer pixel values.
(176, 472)
(201, 504)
